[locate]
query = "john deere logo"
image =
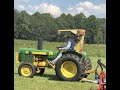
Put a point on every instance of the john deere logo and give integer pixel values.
(50, 53)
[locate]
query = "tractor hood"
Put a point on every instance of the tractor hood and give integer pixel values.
(49, 53)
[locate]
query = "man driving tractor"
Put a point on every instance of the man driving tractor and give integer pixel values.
(69, 46)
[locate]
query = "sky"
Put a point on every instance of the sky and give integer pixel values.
(57, 7)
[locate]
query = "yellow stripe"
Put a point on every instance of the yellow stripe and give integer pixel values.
(17, 58)
(41, 53)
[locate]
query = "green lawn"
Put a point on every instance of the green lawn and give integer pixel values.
(49, 81)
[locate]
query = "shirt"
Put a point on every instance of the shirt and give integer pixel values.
(70, 45)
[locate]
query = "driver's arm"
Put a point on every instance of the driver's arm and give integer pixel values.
(67, 46)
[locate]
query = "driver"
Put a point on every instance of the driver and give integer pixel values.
(69, 46)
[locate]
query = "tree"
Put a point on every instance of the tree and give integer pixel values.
(70, 20)
(79, 20)
(16, 16)
(62, 22)
(44, 25)
(23, 25)
(101, 26)
(90, 24)
(98, 37)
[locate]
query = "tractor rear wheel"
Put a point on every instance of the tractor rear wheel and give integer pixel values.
(68, 69)
(78, 58)
(87, 63)
(26, 69)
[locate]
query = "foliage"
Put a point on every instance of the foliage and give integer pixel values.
(44, 25)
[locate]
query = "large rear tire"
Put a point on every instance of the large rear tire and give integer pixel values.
(78, 58)
(68, 69)
(88, 66)
(87, 63)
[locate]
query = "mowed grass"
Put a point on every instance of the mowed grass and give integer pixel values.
(49, 81)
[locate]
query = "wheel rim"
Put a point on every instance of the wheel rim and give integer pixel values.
(69, 69)
(26, 70)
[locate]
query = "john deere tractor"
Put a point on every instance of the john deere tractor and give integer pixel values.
(72, 66)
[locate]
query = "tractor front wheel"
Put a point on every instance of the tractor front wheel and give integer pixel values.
(26, 69)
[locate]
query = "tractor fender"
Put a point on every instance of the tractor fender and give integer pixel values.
(83, 55)
(72, 52)
(78, 57)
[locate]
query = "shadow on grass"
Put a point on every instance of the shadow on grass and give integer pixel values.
(53, 78)
(49, 76)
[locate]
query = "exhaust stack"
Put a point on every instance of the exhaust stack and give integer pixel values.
(40, 40)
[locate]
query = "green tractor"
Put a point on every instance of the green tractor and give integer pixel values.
(72, 66)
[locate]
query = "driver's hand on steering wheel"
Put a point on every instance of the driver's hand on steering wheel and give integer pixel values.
(59, 49)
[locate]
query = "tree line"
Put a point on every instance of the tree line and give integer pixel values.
(44, 25)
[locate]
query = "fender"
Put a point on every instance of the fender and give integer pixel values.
(83, 55)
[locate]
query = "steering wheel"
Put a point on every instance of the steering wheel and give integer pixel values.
(58, 49)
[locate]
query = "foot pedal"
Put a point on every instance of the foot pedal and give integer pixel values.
(53, 66)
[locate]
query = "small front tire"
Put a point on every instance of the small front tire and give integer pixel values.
(26, 69)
